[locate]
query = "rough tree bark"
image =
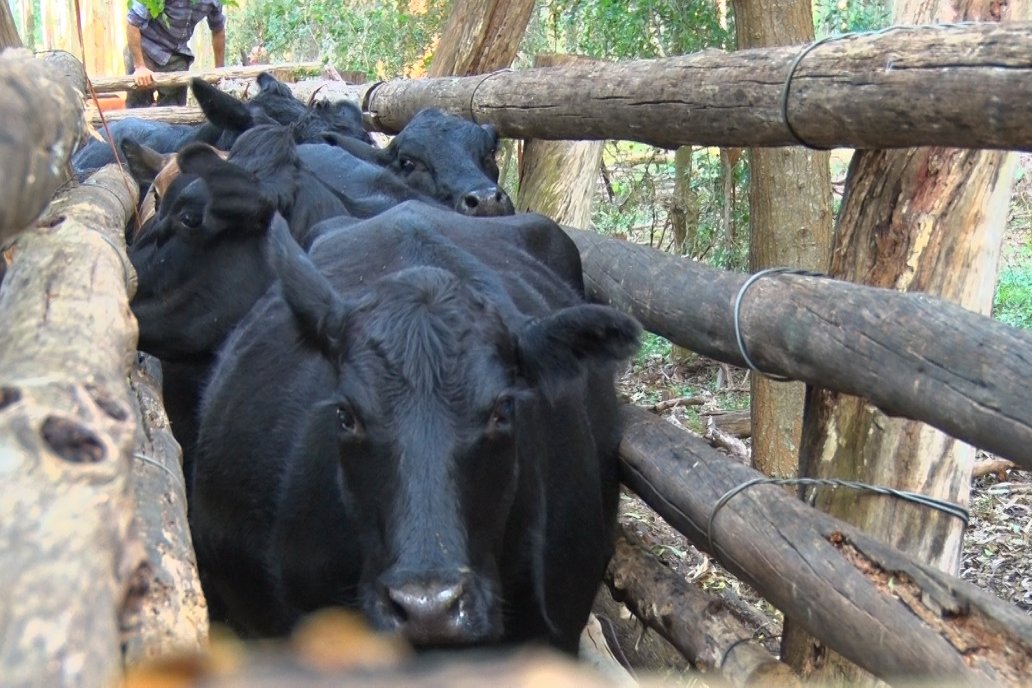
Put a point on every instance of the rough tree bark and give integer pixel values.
(172, 616)
(69, 559)
(557, 178)
(9, 37)
(928, 220)
(790, 225)
(970, 82)
(480, 36)
(697, 623)
(42, 120)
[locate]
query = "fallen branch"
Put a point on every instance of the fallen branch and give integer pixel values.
(693, 621)
(668, 404)
(857, 596)
(724, 440)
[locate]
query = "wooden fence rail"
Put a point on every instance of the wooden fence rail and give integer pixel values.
(964, 86)
(892, 616)
(912, 355)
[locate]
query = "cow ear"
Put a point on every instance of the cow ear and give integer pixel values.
(319, 311)
(360, 149)
(236, 200)
(554, 348)
(144, 163)
(491, 131)
(271, 85)
(221, 109)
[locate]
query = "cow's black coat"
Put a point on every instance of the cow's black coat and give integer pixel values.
(419, 429)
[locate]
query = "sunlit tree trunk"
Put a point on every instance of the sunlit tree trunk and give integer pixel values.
(557, 178)
(928, 220)
(480, 36)
(790, 220)
(8, 31)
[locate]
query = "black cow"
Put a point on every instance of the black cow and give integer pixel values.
(200, 269)
(199, 260)
(415, 429)
(226, 118)
(439, 156)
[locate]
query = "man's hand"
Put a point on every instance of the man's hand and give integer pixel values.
(143, 76)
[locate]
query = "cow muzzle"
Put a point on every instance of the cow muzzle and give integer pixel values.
(432, 610)
(484, 202)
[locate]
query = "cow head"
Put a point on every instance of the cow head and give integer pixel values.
(435, 385)
(199, 260)
(445, 157)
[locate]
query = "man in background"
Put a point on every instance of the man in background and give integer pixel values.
(160, 44)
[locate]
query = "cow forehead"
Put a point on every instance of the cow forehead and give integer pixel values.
(435, 337)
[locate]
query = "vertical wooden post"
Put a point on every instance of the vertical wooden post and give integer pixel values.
(557, 178)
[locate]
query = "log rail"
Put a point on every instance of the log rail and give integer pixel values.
(964, 86)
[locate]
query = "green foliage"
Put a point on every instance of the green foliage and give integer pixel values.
(620, 29)
(1013, 302)
(156, 7)
(378, 38)
(652, 346)
(834, 17)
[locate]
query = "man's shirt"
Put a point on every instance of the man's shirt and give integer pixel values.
(171, 31)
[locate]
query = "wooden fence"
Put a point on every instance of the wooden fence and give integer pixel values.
(871, 603)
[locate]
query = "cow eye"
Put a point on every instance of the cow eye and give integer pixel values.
(347, 423)
(407, 165)
(190, 220)
(502, 415)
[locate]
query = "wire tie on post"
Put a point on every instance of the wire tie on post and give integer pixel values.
(473, 95)
(739, 338)
(955, 510)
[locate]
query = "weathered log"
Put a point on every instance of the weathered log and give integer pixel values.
(69, 558)
(187, 114)
(737, 423)
(42, 121)
(112, 84)
(895, 618)
(172, 616)
(911, 355)
(694, 622)
(961, 86)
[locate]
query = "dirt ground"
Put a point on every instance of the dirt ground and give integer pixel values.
(997, 543)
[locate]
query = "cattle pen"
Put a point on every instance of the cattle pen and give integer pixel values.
(94, 511)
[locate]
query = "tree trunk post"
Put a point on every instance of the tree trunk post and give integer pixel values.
(929, 220)
(480, 36)
(557, 178)
(790, 223)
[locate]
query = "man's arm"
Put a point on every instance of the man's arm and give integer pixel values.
(218, 46)
(142, 75)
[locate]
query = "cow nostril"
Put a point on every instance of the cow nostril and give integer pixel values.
(431, 604)
(470, 201)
